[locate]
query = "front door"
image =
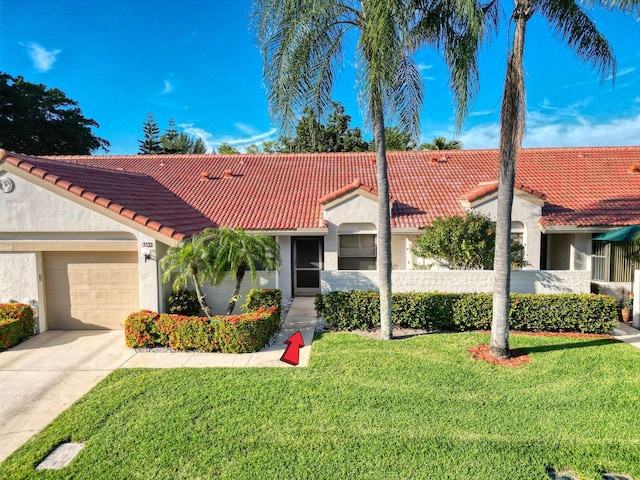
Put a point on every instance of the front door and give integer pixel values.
(307, 264)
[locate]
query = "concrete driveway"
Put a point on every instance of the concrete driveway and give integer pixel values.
(43, 376)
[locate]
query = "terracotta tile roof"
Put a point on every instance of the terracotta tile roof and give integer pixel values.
(355, 185)
(487, 188)
(582, 186)
(134, 196)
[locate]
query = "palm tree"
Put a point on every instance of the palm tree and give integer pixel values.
(441, 143)
(571, 23)
(189, 262)
(302, 43)
(234, 252)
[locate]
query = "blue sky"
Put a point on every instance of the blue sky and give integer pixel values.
(196, 61)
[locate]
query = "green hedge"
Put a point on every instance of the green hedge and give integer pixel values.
(184, 302)
(16, 324)
(244, 333)
(566, 312)
(265, 297)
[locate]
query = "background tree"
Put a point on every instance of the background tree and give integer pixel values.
(150, 144)
(189, 262)
(170, 142)
(312, 135)
(253, 148)
(397, 140)
(38, 120)
(183, 143)
(234, 252)
(168, 138)
(226, 149)
(441, 143)
(302, 42)
(571, 23)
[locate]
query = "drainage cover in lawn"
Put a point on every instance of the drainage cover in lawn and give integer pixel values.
(61, 456)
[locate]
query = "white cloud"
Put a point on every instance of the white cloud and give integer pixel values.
(622, 73)
(549, 131)
(168, 87)
(43, 59)
(247, 129)
(211, 141)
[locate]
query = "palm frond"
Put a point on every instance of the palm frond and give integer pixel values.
(457, 28)
(301, 43)
(572, 25)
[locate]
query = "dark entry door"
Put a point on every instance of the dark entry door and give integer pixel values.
(307, 264)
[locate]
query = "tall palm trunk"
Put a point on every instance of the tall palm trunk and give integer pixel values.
(203, 304)
(512, 128)
(236, 292)
(384, 221)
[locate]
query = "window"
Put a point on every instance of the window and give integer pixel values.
(612, 262)
(600, 261)
(357, 252)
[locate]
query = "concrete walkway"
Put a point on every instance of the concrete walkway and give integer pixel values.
(45, 375)
(301, 316)
(627, 334)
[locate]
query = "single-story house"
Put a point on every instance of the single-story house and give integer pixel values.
(81, 237)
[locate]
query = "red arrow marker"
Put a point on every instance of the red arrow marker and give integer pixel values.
(291, 354)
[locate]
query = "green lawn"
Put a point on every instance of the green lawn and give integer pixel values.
(415, 408)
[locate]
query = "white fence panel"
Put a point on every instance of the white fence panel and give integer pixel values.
(459, 281)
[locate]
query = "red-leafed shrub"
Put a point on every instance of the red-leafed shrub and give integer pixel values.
(141, 329)
(244, 333)
(16, 324)
(248, 332)
(188, 333)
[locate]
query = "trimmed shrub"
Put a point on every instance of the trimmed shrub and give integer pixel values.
(188, 332)
(184, 302)
(584, 313)
(356, 309)
(425, 310)
(267, 297)
(16, 324)
(141, 330)
(248, 332)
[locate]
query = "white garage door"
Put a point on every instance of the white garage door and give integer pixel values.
(90, 290)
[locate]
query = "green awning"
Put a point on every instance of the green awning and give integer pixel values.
(624, 234)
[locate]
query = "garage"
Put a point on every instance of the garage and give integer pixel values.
(90, 290)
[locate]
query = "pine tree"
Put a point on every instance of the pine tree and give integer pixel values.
(151, 142)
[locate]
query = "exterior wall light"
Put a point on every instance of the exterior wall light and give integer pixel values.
(148, 253)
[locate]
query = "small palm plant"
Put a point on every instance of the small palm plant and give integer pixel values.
(233, 252)
(189, 262)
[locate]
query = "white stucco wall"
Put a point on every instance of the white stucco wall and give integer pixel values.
(218, 297)
(355, 209)
(528, 214)
(35, 216)
(460, 281)
(283, 279)
(18, 277)
(614, 289)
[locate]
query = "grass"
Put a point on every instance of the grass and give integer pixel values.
(366, 409)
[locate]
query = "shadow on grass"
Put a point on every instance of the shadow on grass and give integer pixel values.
(567, 346)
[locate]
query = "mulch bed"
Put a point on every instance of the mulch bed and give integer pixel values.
(519, 358)
(481, 352)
